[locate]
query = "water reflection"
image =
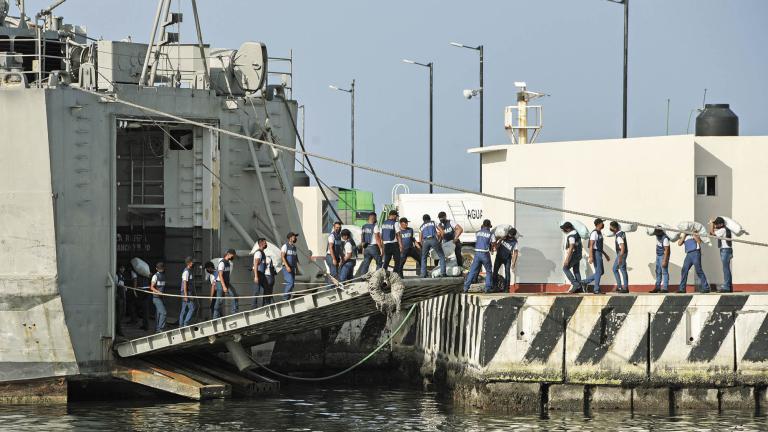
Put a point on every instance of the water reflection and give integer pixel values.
(365, 408)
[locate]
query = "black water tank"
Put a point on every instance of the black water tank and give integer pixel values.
(717, 120)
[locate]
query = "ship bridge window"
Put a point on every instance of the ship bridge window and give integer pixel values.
(706, 185)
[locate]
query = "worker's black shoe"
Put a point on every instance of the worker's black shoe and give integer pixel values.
(655, 291)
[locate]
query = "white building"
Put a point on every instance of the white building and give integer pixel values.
(664, 179)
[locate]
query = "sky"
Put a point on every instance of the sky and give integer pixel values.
(570, 49)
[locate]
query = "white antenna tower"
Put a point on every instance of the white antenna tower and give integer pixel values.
(523, 122)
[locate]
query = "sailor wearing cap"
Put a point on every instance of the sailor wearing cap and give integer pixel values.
(572, 256)
(391, 240)
(372, 244)
(431, 233)
(290, 259)
(157, 286)
(484, 242)
(718, 229)
(507, 252)
(348, 256)
(410, 247)
(187, 304)
(225, 288)
(596, 254)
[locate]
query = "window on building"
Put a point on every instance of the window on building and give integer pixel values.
(706, 185)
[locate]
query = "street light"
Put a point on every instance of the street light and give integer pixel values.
(429, 65)
(626, 48)
(351, 91)
(481, 90)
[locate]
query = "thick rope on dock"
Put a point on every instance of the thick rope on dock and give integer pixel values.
(386, 290)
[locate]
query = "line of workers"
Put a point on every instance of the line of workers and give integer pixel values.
(690, 243)
(394, 241)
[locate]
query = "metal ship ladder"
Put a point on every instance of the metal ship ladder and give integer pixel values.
(197, 209)
(274, 185)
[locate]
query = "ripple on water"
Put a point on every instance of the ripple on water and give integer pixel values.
(358, 409)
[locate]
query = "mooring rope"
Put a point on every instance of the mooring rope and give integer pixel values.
(347, 370)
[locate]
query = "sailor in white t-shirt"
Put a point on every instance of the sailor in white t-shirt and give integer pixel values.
(718, 228)
(187, 304)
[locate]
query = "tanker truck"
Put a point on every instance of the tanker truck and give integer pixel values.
(463, 209)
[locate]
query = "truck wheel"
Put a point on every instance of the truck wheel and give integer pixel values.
(468, 255)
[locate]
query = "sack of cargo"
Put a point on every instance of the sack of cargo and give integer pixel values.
(501, 231)
(271, 251)
(735, 227)
(449, 249)
(579, 227)
(141, 267)
(673, 235)
(450, 270)
(693, 226)
(627, 228)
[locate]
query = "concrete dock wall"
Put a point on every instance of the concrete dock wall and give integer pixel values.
(594, 349)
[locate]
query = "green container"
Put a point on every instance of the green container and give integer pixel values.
(354, 206)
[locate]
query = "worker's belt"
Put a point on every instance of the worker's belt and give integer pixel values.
(430, 237)
(482, 250)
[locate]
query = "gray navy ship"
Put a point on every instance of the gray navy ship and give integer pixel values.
(88, 184)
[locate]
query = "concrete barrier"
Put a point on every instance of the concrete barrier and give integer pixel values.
(695, 349)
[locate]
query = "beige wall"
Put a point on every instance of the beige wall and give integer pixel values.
(740, 166)
(309, 203)
(644, 179)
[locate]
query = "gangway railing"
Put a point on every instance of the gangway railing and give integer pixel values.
(322, 309)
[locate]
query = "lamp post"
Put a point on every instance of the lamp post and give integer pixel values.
(351, 91)
(481, 91)
(626, 49)
(429, 65)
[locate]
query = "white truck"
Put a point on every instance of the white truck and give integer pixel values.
(463, 209)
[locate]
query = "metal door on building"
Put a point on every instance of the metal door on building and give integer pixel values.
(541, 248)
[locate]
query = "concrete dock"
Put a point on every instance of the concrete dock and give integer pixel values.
(584, 352)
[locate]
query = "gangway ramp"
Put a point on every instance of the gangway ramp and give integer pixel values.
(321, 309)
